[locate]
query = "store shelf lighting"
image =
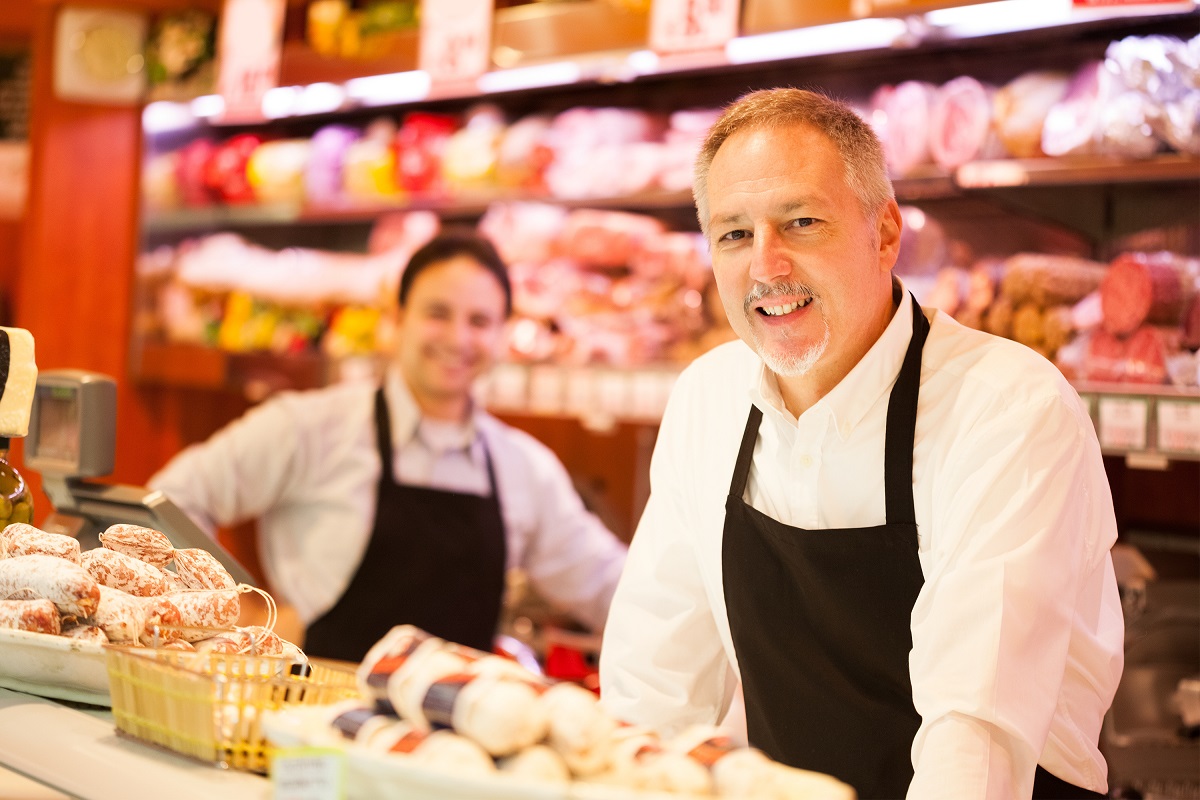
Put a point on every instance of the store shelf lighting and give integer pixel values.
(838, 37)
(280, 101)
(163, 116)
(208, 105)
(391, 89)
(558, 73)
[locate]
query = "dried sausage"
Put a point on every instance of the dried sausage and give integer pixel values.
(30, 615)
(203, 612)
(120, 571)
(144, 544)
(29, 541)
(200, 569)
(69, 586)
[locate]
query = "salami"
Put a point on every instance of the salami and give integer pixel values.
(69, 586)
(144, 544)
(119, 615)
(1146, 356)
(85, 633)
(38, 615)
(204, 612)
(1020, 109)
(31, 541)
(1105, 358)
(119, 571)
(200, 569)
(960, 128)
(908, 109)
(1143, 288)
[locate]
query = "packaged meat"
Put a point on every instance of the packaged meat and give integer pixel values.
(119, 571)
(1073, 126)
(386, 658)
(909, 109)
(38, 615)
(1144, 288)
(538, 763)
(72, 590)
(1020, 109)
(144, 544)
(960, 127)
(1105, 357)
(323, 180)
(28, 541)
(1146, 354)
(497, 713)
(200, 569)
(579, 729)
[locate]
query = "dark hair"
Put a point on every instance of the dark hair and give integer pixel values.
(453, 244)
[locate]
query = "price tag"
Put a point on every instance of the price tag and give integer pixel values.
(1123, 423)
(249, 48)
(456, 39)
(681, 25)
(309, 773)
(612, 392)
(1178, 426)
(507, 387)
(580, 392)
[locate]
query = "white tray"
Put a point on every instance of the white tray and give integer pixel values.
(53, 666)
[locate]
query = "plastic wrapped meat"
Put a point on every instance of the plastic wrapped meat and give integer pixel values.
(923, 247)
(323, 179)
(523, 155)
(420, 146)
(961, 128)
(497, 713)
(471, 153)
(225, 173)
(606, 239)
(538, 763)
(275, 170)
(908, 108)
(1020, 110)
(1074, 125)
(580, 730)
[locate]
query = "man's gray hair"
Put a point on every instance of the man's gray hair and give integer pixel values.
(859, 147)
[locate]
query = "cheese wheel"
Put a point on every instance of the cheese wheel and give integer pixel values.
(18, 379)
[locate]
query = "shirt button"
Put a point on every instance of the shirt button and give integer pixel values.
(806, 461)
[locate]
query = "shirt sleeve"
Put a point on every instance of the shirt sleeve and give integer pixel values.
(1022, 525)
(662, 663)
(239, 472)
(571, 558)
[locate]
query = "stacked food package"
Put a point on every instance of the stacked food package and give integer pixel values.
(441, 706)
(124, 592)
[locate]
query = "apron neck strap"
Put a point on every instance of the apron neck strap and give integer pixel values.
(902, 427)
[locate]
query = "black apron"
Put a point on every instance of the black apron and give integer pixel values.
(821, 620)
(436, 559)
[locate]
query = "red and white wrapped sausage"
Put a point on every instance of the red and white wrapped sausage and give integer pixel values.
(120, 571)
(204, 611)
(27, 540)
(144, 544)
(72, 590)
(200, 569)
(39, 616)
(126, 618)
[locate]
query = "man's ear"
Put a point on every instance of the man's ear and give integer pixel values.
(888, 228)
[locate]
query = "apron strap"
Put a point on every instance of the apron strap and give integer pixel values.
(902, 428)
(741, 468)
(383, 435)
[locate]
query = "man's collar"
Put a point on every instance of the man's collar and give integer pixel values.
(869, 380)
(405, 415)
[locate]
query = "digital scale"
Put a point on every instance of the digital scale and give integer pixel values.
(73, 437)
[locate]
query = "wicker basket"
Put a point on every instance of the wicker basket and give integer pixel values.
(209, 706)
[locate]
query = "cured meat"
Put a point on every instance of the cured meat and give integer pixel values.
(960, 127)
(1191, 324)
(1146, 355)
(144, 544)
(1073, 125)
(1050, 280)
(119, 571)
(86, 633)
(69, 586)
(1144, 288)
(200, 569)
(1105, 357)
(499, 714)
(908, 110)
(38, 615)
(18, 380)
(204, 612)
(128, 619)
(30, 541)
(1020, 108)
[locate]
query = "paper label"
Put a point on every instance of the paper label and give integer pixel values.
(249, 50)
(1178, 426)
(456, 39)
(681, 25)
(309, 773)
(1123, 423)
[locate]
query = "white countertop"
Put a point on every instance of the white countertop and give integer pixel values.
(78, 752)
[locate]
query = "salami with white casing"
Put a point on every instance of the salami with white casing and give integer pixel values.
(200, 569)
(38, 615)
(85, 633)
(31, 541)
(144, 544)
(204, 611)
(125, 618)
(111, 568)
(69, 586)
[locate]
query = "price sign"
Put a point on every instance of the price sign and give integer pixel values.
(309, 773)
(681, 25)
(546, 390)
(456, 39)
(248, 49)
(580, 391)
(508, 387)
(1123, 423)
(1178, 426)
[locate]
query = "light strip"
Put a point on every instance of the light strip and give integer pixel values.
(391, 89)
(209, 105)
(1006, 16)
(163, 116)
(838, 37)
(280, 101)
(558, 73)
